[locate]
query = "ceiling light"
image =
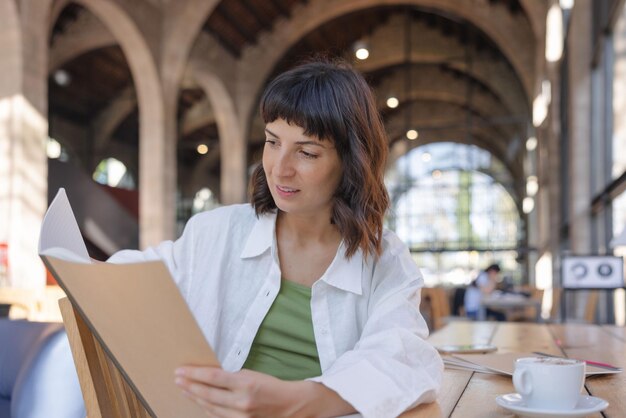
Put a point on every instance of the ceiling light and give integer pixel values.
(566, 4)
(362, 53)
(541, 103)
(531, 143)
(532, 186)
(393, 102)
(528, 204)
(202, 149)
(412, 134)
(360, 50)
(62, 77)
(53, 149)
(436, 174)
(554, 33)
(426, 157)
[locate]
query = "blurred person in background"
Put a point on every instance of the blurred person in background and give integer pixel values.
(484, 285)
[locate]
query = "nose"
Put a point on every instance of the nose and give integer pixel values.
(283, 166)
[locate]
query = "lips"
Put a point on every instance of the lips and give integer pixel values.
(286, 191)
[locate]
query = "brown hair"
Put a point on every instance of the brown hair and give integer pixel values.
(332, 101)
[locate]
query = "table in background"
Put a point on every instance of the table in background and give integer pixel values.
(465, 394)
(507, 304)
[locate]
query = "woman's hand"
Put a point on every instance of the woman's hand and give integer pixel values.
(252, 394)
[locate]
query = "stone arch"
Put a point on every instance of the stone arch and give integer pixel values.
(506, 35)
(179, 33)
(536, 13)
(91, 35)
(232, 143)
(157, 156)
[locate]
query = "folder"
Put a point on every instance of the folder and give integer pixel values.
(134, 310)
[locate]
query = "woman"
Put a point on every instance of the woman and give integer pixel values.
(311, 308)
(483, 286)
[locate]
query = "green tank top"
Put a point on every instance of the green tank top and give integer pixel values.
(284, 346)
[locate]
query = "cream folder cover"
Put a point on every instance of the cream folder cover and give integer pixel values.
(135, 310)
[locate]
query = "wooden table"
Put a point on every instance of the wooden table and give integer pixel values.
(508, 305)
(472, 395)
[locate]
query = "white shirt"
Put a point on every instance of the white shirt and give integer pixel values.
(368, 329)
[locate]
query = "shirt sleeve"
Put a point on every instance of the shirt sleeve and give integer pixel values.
(392, 368)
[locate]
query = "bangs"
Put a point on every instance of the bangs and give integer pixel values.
(308, 100)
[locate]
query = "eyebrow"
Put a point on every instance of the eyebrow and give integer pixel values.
(309, 142)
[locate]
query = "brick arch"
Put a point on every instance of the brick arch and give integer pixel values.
(486, 136)
(258, 62)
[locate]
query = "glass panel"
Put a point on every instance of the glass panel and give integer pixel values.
(452, 205)
(619, 214)
(619, 97)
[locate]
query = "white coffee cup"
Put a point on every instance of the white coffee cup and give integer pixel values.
(548, 382)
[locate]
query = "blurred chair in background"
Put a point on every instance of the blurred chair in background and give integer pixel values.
(37, 374)
(435, 307)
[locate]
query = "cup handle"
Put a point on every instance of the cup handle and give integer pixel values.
(521, 382)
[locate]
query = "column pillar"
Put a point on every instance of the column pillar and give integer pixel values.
(23, 133)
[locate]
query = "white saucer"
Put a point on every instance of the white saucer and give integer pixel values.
(586, 405)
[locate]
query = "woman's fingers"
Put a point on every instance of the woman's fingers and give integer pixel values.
(211, 394)
(209, 375)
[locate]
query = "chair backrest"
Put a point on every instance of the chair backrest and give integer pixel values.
(436, 302)
(37, 374)
(591, 305)
(555, 310)
(105, 390)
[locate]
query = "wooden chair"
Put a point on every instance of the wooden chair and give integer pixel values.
(555, 310)
(105, 391)
(590, 306)
(528, 314)
(436, 307)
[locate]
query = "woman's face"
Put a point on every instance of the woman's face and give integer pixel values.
(302, 171)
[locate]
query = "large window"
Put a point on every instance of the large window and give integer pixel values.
(452, 205)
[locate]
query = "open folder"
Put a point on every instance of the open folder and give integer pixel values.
(135, 311)
(502, 363)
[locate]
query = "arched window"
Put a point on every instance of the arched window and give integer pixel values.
(112, 172)
(452, 205)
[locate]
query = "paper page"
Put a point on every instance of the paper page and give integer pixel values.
(504, 363)
(59, 229)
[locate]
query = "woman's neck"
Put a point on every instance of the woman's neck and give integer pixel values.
(307, 229)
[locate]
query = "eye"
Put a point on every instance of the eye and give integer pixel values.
(308, 154)
(270, 142)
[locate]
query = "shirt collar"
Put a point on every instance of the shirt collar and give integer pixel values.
(344, 273)
(262, 236)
